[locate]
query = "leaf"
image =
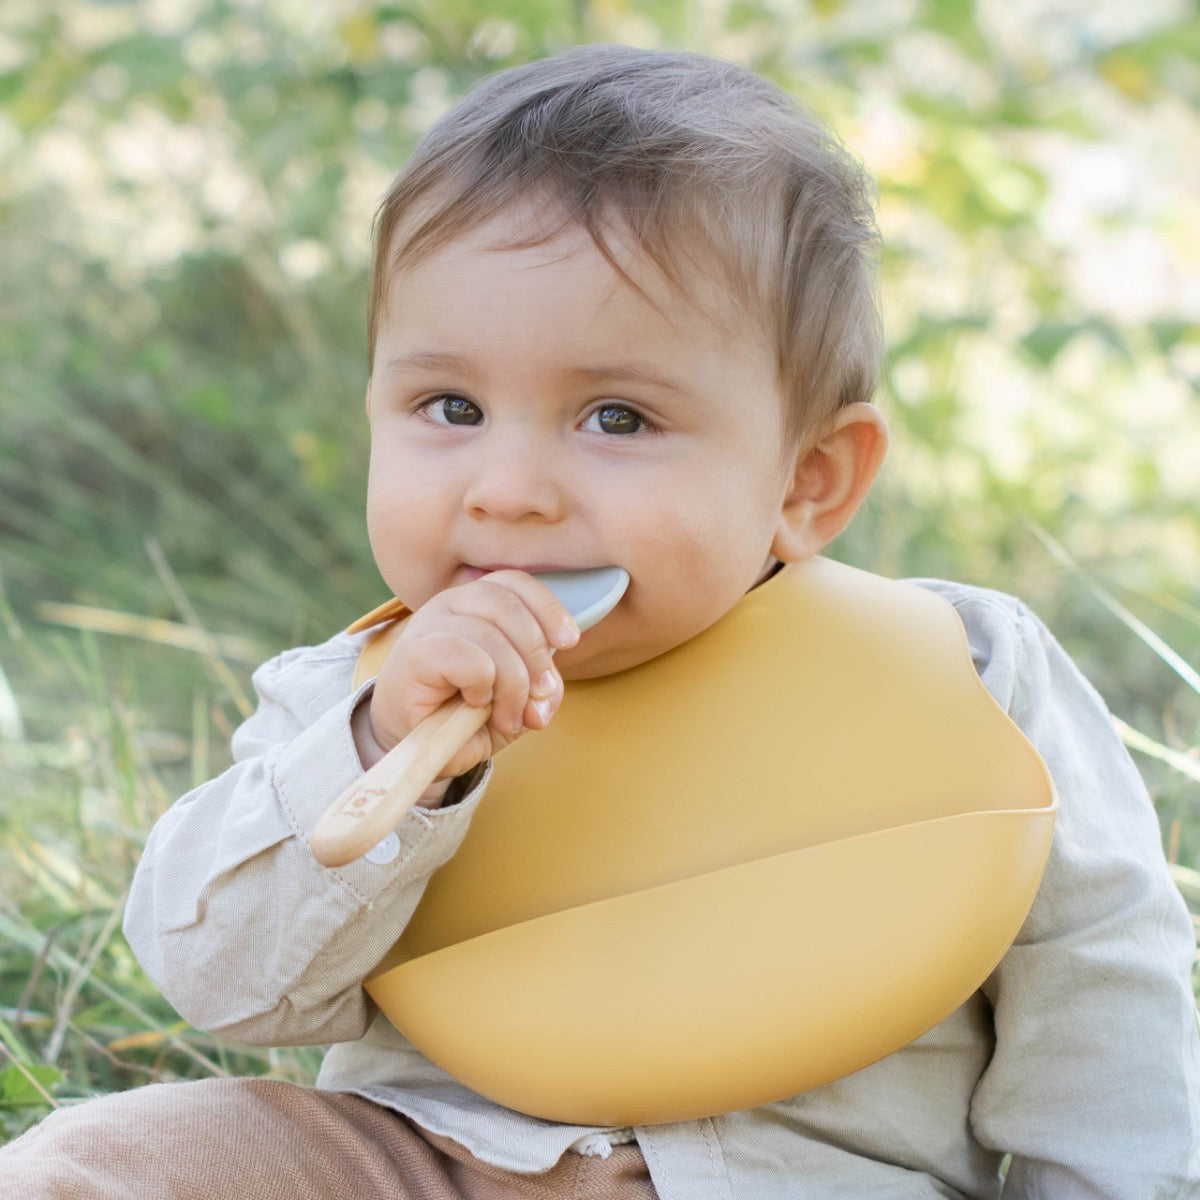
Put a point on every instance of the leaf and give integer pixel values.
(1047, 339)
(11, 84)
(1168, 334)
(957, 22)
(153, 64)
(1129, 76)
(21, 1085)
(932, 333)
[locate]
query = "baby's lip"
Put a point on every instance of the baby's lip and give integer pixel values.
(477, 572)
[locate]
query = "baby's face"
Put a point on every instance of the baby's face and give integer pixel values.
(530, 409)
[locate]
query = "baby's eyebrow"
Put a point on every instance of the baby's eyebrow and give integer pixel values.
(428, 360)
(619, 372)
(626, 373)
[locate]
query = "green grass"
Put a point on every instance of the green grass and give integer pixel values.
(102, 734)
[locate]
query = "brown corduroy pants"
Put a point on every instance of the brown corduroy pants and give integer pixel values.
(223, 1138)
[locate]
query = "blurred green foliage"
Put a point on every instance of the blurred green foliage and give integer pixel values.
(185, 227)
(186, 221)
(185, 210)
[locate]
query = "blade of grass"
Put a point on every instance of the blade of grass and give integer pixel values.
(199, 740)
(78, 978)
(146, 1038)
(31, 938)
(30, 989)
(108, 1053)
(1139, 628)
(147, 629)
(12, 728)
(43, 867)
(1185, 764)
(1186, 880)
(216, 664)
(1180, 608)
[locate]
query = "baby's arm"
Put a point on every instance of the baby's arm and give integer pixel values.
(1094, 1086)
(230, 914)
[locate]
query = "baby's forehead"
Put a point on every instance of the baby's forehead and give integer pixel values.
(671, 269)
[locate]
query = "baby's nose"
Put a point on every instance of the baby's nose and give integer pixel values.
(514, 480)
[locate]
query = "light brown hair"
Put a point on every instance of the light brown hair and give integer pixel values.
(702, 162)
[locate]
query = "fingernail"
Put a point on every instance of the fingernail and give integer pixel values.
(544, 710)
(545, 687)
(567, 635)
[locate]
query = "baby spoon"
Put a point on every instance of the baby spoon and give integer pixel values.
(371, 807)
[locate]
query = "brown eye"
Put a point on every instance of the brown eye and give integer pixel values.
(615, 419)
(454, 410)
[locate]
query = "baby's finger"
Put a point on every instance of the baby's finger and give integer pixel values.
(556, 623)
(477, 749)
(541, 708)
(506, 685)
(456, 659)
(521, 609)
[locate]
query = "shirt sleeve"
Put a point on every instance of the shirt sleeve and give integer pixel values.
(242, 930)
(1094, 1084)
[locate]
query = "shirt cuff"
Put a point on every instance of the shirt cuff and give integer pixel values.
(321, 762)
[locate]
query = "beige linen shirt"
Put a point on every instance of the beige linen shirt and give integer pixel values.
(1078, 1057)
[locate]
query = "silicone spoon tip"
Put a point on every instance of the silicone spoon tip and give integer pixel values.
(588, 595)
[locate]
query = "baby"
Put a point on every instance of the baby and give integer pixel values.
(622, 314)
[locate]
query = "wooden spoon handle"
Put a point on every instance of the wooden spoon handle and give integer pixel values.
(372, 806)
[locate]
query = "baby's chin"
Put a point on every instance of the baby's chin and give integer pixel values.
(584, 661)
(599, 658)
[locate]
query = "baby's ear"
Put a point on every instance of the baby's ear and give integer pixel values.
(830, 479)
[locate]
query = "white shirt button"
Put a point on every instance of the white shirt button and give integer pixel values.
(385, 851)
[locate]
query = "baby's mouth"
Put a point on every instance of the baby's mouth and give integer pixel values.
(477, 572)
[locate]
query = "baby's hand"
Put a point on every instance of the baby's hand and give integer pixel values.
(489, 641)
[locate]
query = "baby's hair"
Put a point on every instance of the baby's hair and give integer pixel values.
(703, 162)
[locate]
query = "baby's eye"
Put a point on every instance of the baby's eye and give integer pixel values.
(614, 419)
(454, 410)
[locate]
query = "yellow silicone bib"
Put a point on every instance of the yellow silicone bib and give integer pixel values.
(750, 866)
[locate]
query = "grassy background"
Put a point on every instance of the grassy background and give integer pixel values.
(184, 227)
